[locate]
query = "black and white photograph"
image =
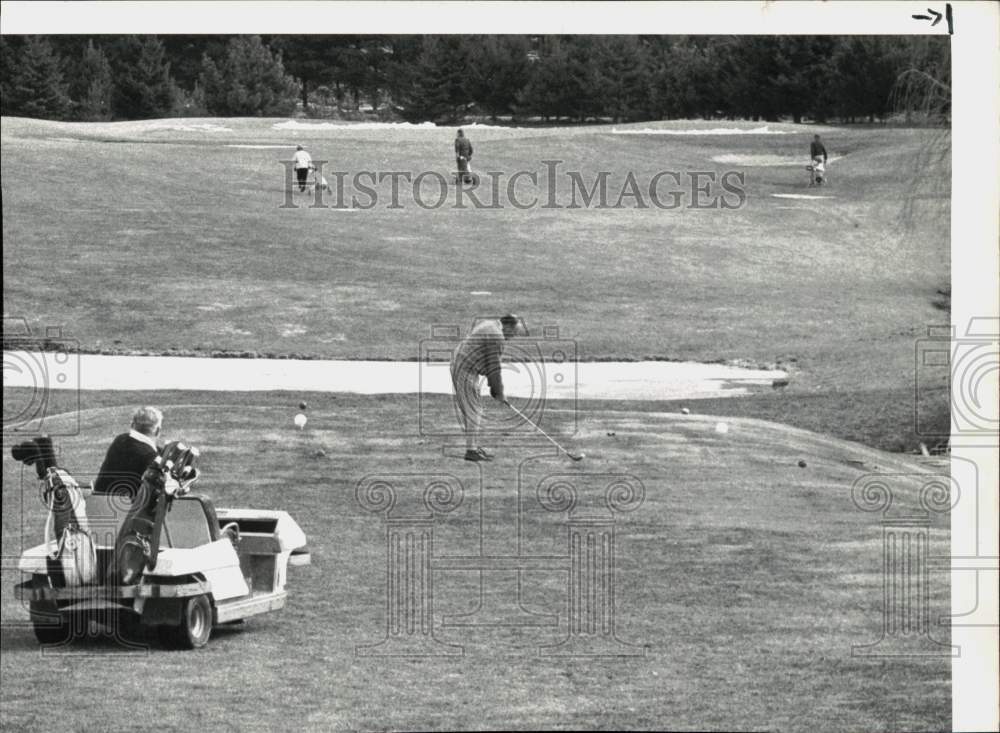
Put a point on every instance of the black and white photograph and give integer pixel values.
(464, 366)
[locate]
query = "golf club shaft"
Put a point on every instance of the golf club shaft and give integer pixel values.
(547, 436)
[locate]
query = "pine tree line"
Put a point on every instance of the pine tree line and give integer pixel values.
(450, 78)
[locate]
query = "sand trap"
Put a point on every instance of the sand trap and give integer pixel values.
(642, 380)
(767, 160)
(765, 130)
(799, 196)
(205, 127)
(349, 126)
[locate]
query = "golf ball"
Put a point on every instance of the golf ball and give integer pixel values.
(721, 428)
(300, 421)
(685, 411)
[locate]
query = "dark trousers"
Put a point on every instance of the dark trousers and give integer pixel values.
(302, 174)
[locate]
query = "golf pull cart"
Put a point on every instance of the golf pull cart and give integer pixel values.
(817, 172)
(465, 174)
(168, 559)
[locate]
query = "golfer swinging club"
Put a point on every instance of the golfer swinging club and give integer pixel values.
(478, 356)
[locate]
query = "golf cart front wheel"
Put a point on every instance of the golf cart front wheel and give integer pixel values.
(195, 626)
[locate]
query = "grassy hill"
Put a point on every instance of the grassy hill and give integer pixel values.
(746, 578)
(159, 236)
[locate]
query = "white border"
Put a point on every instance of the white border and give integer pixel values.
(976, 138)
(490, 16)
(975, 275)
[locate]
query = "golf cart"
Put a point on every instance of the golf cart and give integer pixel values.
(167, 559)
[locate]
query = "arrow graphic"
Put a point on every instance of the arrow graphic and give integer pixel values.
(936, 14)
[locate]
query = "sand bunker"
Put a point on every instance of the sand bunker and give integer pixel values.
(767, 160)
(798, 196)
(351, 126)
(204, 127)
(643, 380)
(765, 130)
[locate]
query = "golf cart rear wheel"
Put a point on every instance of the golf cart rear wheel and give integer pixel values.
(195, 626)
(52, 627)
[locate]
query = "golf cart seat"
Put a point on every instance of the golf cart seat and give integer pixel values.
(190, 522)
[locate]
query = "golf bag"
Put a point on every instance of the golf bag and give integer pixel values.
(73, 562)
(319, 181)
(817, 172)
(137, 546)
(465, 174)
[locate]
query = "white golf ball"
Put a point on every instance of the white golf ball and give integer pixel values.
(721, 428)
(685, 411)
(300, 421)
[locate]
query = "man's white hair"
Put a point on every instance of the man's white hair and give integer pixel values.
(147, 420)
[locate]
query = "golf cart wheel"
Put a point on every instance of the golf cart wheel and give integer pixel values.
(195, 626)
(50, 626)
(53, 627)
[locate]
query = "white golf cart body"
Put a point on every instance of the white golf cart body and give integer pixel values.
(240, 578)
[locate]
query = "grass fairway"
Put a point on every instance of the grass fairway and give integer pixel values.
(139, 238)
(161, 236)
(746, 578)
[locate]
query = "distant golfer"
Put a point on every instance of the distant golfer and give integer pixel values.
(818, 154)
(817, 150)
(476, 357)
(303, 164)
(463, 154)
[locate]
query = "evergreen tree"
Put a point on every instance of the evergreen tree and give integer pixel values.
(250, 81)
(437, 86)
(212, 86)
(500, 70)
(143, 88)
(551, 91)
(185, 54)
(312, 60)
(33, 82)
(91, 84)
(622, 77)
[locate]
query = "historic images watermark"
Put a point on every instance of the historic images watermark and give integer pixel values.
(63, 558)
(37, 367)
(532, 535)
(957, 407)
(963, 367)
(537, 369)
(907, 503)
(413, 505)
(548, 186)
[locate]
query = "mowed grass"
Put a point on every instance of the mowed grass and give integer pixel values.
(183, 245)
(156, 236)
(746, 578)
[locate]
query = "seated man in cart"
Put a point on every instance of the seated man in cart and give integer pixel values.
(129, 455)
